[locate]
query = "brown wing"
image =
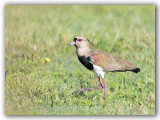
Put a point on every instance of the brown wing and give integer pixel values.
(109, 62)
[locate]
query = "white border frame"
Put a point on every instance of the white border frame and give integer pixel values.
(107, 2)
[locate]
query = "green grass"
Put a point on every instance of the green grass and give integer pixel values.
(36, 88)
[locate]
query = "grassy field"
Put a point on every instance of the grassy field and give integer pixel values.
(43, 74)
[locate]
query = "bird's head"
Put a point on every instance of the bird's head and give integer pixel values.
(79, 42)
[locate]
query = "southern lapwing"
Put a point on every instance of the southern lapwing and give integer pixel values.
(100, 62)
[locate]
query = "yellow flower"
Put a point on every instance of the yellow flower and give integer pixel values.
(43, 61)
(48, 59)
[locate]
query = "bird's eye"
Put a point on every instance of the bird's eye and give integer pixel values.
(79, 40)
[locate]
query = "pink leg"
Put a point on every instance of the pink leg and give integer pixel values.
(83, 89)
(105, 88)
(100, 82)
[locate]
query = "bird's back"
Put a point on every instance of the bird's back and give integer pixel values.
(112, 63)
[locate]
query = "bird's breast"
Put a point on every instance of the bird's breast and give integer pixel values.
(86, 61)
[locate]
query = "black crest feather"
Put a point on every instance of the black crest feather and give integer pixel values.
(91, 43)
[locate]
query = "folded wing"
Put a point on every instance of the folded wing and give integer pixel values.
(112, 63)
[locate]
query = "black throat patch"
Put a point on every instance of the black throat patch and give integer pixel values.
(85, 62)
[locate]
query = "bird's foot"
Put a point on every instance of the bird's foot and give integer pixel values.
(81, 90)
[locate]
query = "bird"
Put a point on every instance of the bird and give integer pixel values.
(99, 62)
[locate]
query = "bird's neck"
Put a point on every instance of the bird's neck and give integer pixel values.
(83, 51)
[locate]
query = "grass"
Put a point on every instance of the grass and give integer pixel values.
(35, 85)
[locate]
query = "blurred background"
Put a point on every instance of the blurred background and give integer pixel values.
(43, 74)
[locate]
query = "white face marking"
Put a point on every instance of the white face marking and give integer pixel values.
(79, 37)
